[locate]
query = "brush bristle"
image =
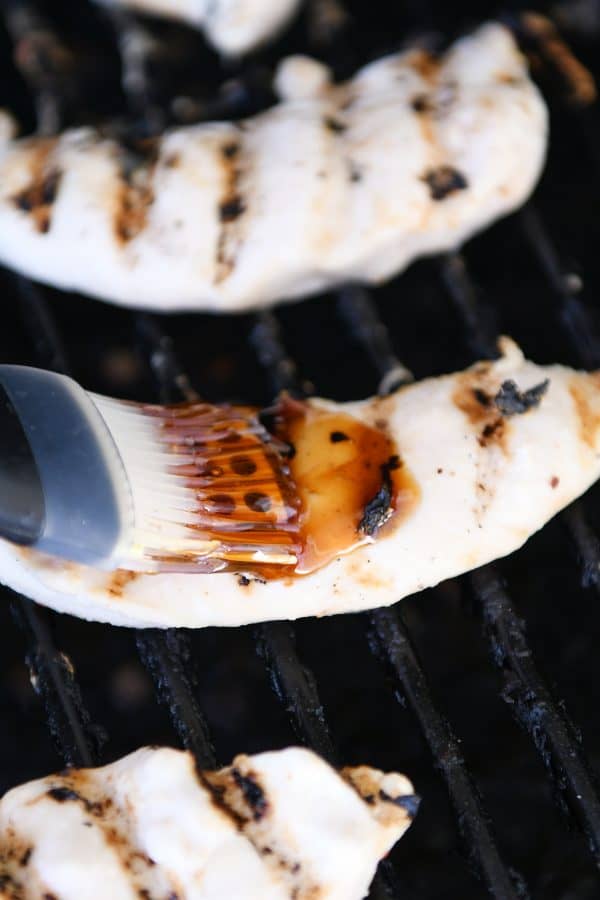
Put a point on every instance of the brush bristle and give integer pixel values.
(211, 488)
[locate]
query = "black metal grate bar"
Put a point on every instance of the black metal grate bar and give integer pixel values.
(586, 543)
(42, 59)
(534, 708)
(295, 686)
(167, 656)
(355, 305)
(480, 328)
(266, 340)
(566, 287)
(52, 676)
(137, 48)
(394, 646)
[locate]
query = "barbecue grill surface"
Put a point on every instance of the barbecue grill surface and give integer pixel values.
(534, 276)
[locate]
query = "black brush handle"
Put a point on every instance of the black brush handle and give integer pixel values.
(22, 508)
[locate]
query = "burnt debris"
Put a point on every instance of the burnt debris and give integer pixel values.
(409, 802)
(510, 401)
(379, 508)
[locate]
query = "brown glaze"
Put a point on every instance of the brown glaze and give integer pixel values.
(38, 197)
(284, 497)
(338, 480)
(588, 416)
(119, 580)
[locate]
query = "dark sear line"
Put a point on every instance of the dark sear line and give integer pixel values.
(252, 791)
(135, 192)
(231, 207)
(105, 815)
(37, 198)
(244, 801)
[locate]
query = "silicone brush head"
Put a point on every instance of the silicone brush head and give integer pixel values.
(211, 488)
(266, 492)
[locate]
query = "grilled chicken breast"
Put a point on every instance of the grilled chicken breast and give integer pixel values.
(270, 827)
(233, 26)
(335, 183)
(482, 459)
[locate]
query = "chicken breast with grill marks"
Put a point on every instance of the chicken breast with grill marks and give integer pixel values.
(269, 827)
(232, 26)
(333, 184)
(476, 462)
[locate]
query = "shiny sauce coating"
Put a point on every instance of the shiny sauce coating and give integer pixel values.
(281, 492)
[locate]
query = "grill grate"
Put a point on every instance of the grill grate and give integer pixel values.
(172, 657)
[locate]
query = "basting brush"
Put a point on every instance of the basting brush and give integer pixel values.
(114, 484)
